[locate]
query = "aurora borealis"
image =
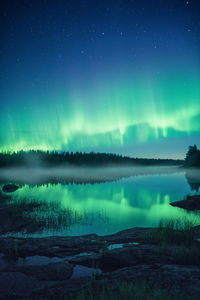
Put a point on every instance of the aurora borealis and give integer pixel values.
(117, 76)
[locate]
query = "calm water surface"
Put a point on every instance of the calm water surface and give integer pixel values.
(102, 208)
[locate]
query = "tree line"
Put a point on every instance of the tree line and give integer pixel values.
(56, 158)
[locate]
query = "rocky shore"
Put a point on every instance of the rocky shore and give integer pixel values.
(46, 268)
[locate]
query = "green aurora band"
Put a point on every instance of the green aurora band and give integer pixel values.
(118, 114)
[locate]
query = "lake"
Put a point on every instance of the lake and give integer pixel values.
(46, 209)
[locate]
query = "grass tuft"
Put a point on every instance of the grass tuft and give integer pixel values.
(178, 231)
(131, 290)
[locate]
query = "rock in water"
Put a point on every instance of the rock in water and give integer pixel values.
(191, 203)
(10, 188)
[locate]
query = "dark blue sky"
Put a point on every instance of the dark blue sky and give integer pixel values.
(118, 76)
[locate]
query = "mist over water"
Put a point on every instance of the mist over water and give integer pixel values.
(39, 175)
(43, 207)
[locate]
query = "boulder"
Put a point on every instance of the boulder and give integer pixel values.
(10, 188)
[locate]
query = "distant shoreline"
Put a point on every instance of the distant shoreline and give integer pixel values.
(80, 159)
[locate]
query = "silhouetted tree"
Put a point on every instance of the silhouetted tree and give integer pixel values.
(192, 157)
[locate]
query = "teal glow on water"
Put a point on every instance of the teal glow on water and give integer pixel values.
(101, 208)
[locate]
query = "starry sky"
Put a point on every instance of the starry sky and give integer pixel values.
(119, 76)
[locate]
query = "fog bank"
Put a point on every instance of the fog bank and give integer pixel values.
(40, 175)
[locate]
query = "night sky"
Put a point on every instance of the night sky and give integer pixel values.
(117, 76)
